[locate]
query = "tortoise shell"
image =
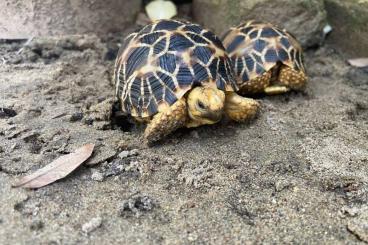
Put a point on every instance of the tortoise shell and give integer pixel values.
(159, 64)
(255, 48)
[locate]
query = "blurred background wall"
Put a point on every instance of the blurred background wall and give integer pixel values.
(27, 18)
(306, 19)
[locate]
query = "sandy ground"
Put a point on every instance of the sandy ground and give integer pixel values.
(296, 174)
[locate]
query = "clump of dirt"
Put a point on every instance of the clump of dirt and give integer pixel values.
(289, 176)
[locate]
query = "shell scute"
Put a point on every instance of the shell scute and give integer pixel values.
(136, 59)
(200, 73)
(271, 55)
(159, 46)
(151, 38)
(179, 42)
(167, 25)
(193, 28)
(184, 76)
(167, 80)
(204, 54)
(269, 32)
(168, 62)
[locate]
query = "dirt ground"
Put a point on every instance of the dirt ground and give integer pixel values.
(296, 174)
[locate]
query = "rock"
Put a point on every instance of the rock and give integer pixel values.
(136, 205)
(125, 154)
(350, 211)
(92, 225)
(115, 168)
(77, 116)
(6, 112)
(28, 18)
(101, 154)
(97, 176)
(281, 185)
(303, 18)
(36, 225)
(349, 20)
(134, 152)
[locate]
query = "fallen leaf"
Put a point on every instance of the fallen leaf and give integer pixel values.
(359, 62)
(57, 169)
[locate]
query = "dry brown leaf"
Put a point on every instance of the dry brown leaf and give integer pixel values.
(359, 62)
(57, 169)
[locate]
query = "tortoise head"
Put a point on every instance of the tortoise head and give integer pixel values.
(205, 105)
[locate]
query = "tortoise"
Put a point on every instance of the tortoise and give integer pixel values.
(173, 74)
(265, 58)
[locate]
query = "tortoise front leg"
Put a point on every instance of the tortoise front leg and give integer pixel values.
(239, 108)
(163, 123)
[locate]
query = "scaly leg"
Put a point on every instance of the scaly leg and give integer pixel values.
(239, 108)
(163, 123)
(291, 78)
(276, 89)
(256, 85)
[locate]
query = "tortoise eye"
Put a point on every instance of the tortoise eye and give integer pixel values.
(201, 105)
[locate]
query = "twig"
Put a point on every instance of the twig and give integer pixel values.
(25, 44)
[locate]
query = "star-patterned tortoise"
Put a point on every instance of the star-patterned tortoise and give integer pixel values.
(174, 74)
(265, 58)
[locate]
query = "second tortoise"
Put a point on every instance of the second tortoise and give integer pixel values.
(265, 58)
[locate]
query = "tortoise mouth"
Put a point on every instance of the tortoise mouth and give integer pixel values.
(213, 116)
(208, 117)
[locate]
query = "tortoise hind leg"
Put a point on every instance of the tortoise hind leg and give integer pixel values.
(288, 79)
(163, 123)
(256, 85)
(239, 108)
(292, 78)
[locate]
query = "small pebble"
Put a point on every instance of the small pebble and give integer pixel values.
(6, 113)
(281, 185)
(136, 205)
(192, 237)
(116, 168)
(92, 225)
(134, 152)
(125, 154)
(97, 176)
(77, 116)
(16, 159)
(36, 225)
(351, 211)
